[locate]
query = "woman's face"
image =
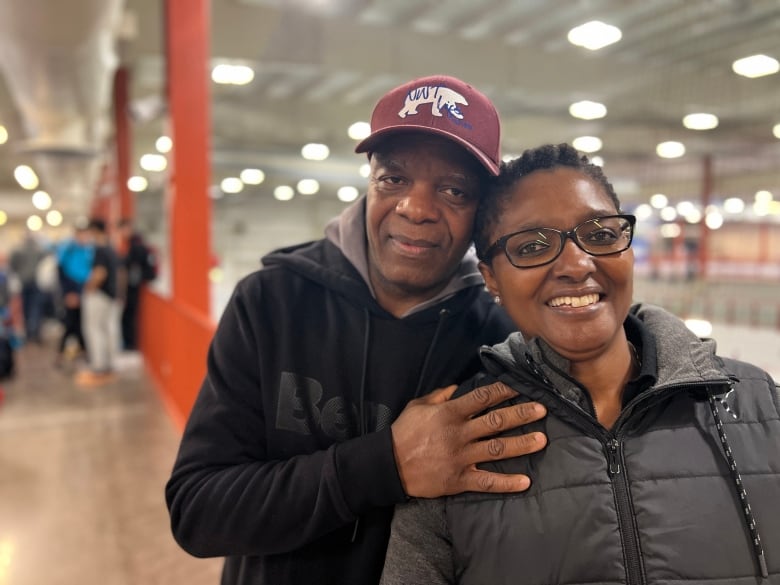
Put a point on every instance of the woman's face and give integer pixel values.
(578, 302)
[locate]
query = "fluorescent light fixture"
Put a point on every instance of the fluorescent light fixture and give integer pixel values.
(252, 176)
(315, 151)
(776, 131)
(54, 218)
(670, 230)
(763, 196)
(670, 149)
(3, 217)
(359, 130)
(284, 193)
(594, 35)
(734, 205)
(587, 110)
(308, 186)
(231, 185)
(756, 66)
(685, 207)
(163, 144)
(668, 214)
(643, 212)
(226, 74)
(713, 220)
(153, 162)
(587, 143)
(659, 200)
(700, 121)
(26, 177)
(3, 134)
(34, 223)
(347, 193)
(137, 183)
(693, 216)
(41, 200)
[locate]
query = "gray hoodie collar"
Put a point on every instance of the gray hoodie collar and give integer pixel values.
(347, 231)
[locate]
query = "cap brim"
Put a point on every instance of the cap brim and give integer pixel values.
(370, 143)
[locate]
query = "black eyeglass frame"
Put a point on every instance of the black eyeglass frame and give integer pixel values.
(500, 243)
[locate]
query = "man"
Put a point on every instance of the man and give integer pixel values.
(24, 263)
(139, 267)
(301, 440)
(99, 311)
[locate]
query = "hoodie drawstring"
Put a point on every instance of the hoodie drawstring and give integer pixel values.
(442, 316)
(362, 396)
(747, 512)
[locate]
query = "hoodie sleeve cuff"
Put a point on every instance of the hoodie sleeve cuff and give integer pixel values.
(367, 472)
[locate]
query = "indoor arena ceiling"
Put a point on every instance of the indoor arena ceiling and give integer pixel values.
(320, 65)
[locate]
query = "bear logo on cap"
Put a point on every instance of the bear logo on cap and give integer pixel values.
(438, 96)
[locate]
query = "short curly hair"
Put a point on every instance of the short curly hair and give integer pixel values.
(498, 193)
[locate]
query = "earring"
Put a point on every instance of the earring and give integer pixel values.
(497, 299)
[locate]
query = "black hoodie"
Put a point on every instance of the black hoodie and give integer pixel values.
(286, 465)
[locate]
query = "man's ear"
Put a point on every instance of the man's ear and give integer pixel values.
(490, 279)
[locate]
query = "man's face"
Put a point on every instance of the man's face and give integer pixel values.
(422, 196)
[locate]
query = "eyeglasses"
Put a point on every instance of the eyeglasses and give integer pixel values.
(600, 236)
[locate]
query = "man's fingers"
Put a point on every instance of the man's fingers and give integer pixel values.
(486, 481)
(503, 419)
(482, 397)
(504, 447)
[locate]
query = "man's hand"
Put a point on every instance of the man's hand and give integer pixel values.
(438, 442)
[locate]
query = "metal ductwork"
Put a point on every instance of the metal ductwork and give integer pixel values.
(59, 60)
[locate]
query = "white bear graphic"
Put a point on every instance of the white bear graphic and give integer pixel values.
(439, 97)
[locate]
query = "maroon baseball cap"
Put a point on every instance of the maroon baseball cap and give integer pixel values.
(441, 105)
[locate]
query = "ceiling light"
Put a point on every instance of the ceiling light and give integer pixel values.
(315, 151)
(252, 176)
(365, 170)
(594, 35)
(587, 110)
(347, 193)
(734, 205)
(643, 212)
(685, 207)
(597, 160)
(163, 144)
(26, 177)
(756, 66)
(54, 218)
(670, 149)
(670, 230)
(137, 184)
(359, 130)
(226, 74)
(153, 162)
(713, 220)
(3, 134)
(776, 131)
(308, 186)
(668, 214)
(763, 196)
(659, 201)
(3, 217)
(284, 193)
(231, 185)
(34, 223)
(41, 200)
(587, 143)
(700, 121)
(693, 216)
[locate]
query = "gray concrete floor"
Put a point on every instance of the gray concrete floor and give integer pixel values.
(81, 481)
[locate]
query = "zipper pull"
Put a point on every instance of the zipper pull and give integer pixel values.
(612, 456)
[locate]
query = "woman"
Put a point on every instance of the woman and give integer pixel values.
(655, 442)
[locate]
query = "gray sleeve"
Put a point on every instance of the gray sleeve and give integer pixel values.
(420, 548)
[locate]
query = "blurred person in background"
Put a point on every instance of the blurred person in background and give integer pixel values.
(74, 260)
(319, 411)
(140, 266)
(100, 310)
(664, 457)
(24, 263)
